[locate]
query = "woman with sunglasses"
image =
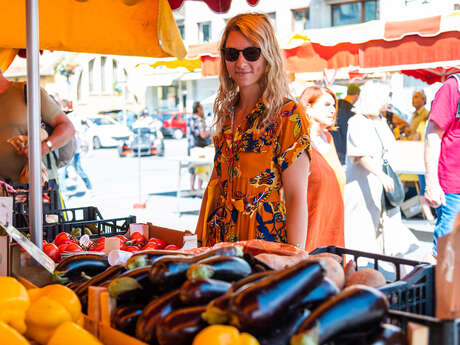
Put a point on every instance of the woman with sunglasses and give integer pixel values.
(327, 178)
(259, 180)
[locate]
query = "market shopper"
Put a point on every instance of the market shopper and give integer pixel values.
(419, 116)
(344, 113)
(369, 226)
(13, 122)
(197, 136)
(327, 177)
(262, 143)
(442, 152)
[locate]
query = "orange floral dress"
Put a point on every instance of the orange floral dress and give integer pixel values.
(245, 201)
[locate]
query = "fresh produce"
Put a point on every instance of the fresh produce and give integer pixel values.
(334, 271)
(147, 321)
(69, 333)
(180, 326)
(51, 306)
(323, 292)
(125, 318)
(201, 291)
(171, 247)
(52, 251)
(262, 304)
(14, 302)
(72, 267)
(169, 272)
(223, 335)
(128, 291)
(356, 307)
(10, 336)
(225, 268)
(145, 258)
(62, 238)
(349, 269)
(367, 276)
(288, 326)
(216, 310)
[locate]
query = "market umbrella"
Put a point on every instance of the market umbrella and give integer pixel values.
(121, 27)
(434, 74)
(219, 6)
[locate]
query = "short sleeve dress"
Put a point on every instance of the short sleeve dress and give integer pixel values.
(244, 202)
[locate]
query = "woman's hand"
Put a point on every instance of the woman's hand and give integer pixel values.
(387, 183)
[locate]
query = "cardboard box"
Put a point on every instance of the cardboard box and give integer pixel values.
(411, 207)
(182, 239)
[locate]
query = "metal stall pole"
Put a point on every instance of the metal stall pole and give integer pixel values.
(33, 123)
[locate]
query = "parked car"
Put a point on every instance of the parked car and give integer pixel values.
(174, 124)
(145, 141)
(103, 131)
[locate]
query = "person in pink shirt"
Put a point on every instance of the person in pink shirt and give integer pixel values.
(442, 157)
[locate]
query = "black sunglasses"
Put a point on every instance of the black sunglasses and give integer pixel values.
(250, 53)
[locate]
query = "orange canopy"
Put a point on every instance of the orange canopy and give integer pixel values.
(120, 27)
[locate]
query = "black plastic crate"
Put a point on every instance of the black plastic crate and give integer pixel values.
(413, 292)
(84, 217)
(441, 332)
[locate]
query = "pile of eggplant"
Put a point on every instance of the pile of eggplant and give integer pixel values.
(167, 299)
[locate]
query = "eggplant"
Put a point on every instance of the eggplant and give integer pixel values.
(180, 326)
(82, 290)
(323, 292)
(202, 291)
(216, 310)
(124, 319)
(169, 272)
(147, 257)
(147, 321)
(225, 268)
(355, 308)
(74, 267)
(263, 304)
(283, 333)
(133, 287)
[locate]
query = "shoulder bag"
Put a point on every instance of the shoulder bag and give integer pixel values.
(395, 198)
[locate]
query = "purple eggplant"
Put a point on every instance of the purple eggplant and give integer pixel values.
(147, 321)
(263, 304)
(180, 326)
(169, 272)
(216, 310)
(147, 257)
(202, 291)
(125, 318)
(355, 308)
(221, 268)
(282, 334)
(323, 292)
(75, 267)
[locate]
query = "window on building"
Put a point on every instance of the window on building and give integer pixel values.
(204, 32)
(91, 76)
(300, 19)
(355, 12)
(181, 27)
(103, 74)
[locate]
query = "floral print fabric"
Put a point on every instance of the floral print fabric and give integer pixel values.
(247, 198)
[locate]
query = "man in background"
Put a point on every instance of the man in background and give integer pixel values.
(344, 113)
(442, 152)
(420, 115)
(13, 122)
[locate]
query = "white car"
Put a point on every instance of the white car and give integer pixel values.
(103, 131)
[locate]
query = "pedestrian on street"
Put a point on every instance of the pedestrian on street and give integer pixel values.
(262, 143)
(442, 152)
(344, 113)
(327, 177)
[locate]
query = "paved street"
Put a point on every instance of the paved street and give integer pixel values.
(116, 187)
(116, 190)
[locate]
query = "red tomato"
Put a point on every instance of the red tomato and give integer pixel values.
(100, 240)
(131, 249)
(99, 247)
(73, 247)
(52, 251)
(159, 242)
(171, 247)
(151, 246)
(137, 237)
(44, 243)
(61, 238)
(122, 238)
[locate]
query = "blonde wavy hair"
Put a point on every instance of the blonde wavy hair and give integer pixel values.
(257, 28)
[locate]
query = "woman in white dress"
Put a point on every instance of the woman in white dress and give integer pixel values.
(367, 226)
